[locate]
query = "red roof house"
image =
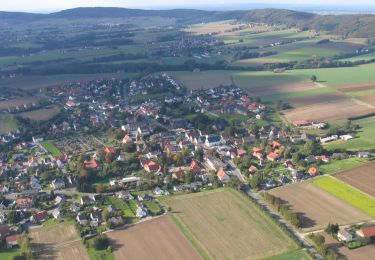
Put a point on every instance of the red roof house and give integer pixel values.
(195, 167)
(151, 167)
(24, 203)
(92, 164)
(273, 156)
(39, 217)
(368, 232)
(313, 171)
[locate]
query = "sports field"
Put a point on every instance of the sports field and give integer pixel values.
(58, 242)
(156, 239)
(348, 194)
(317, 207)
(227, 225)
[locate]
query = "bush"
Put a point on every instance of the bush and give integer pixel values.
(100, 243)
(353, 245)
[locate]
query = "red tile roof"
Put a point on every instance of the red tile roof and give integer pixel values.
(367, 232)
(93, 164)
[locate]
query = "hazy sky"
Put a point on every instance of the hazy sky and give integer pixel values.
(22, 5)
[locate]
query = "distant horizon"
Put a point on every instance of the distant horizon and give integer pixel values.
(326, 6)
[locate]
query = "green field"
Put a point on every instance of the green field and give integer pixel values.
(336, 166)
(225, 224)
(365, 137)
(51, 148)
(296, 255)
(348, 194)
(7, 123)
(289, 95)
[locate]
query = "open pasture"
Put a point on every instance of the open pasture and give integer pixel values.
(317, 207)
(362, 178)
(156, 239)
(326, 107)
(227, 225)
(58, 242)
(346, 193)
(43, 114)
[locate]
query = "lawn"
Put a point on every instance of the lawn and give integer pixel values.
(348, 194)
(120, 204)
(225, 224)
(51, 148)
(336, 166)
(153, 207)
(8, 123)
(8, 254)
(365, 138)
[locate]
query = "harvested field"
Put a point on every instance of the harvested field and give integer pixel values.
(317, 207)
(370, 100)
(156, 239)
(58, 242)
(287, 88)
(215, 27)
(18, 102)
(356, 87)
(227, 225)
(206, 79)
(40, 114)
(326, 107)
(362, 178)
(363, 253)
(257, 61)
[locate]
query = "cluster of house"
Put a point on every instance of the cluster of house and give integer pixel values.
(348, 235)
(304, 124)
(10, 136)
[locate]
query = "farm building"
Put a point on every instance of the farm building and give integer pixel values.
(368, 232)
(344, 235)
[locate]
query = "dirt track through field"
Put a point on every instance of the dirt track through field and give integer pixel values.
(317, 207)
(156, 239)
(362, 178)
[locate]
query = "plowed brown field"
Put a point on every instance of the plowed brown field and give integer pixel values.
(156, 239)
(317, 207)
(362, 178)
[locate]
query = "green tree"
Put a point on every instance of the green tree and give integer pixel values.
(314, 78)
